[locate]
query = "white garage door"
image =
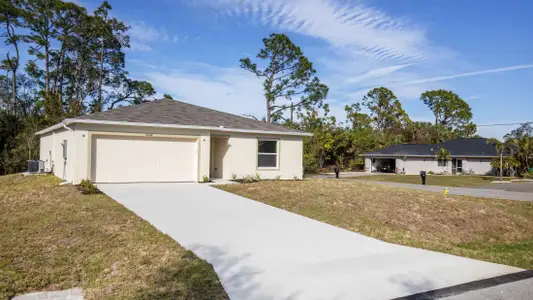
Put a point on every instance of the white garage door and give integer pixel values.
(129, 159)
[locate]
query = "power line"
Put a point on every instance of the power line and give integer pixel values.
(502, 124)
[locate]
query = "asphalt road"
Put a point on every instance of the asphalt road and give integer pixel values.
(474, 192)
(518, 290)
(522, 187)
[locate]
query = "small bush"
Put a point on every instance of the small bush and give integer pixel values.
(526, 175)
(278, 178)
(234, 176)
(357, 164)
(431, 173)
(310, 163)
(88, 188)
(205, 178)
(257, 177)
(248, 179)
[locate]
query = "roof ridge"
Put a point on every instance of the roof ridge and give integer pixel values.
(219, 111)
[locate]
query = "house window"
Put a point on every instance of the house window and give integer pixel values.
(443, 162)
(267, 154)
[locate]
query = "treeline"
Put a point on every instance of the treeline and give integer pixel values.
(61, 61)
(380, 121)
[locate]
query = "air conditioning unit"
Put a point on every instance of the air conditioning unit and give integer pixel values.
(35, 166)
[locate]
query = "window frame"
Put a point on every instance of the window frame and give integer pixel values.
(439, 160)
(264, 153)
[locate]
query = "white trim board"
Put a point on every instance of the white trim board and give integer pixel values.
(160, 125)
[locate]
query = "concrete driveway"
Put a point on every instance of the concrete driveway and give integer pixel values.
(261, 252)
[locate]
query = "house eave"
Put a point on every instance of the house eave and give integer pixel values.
(427, 156)
(160, 125)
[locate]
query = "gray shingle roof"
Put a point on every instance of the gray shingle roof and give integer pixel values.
(457, 147)
(172, 112)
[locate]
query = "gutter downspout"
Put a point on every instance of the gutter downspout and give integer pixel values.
(65, 162)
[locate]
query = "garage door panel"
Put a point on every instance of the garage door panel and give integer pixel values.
(126, 159)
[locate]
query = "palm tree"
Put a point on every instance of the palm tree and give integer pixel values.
(444, 155)
(500, 148)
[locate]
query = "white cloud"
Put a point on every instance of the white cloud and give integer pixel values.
(228, 89)
(376, 73)
(352, 27)
(136, 46)
(468, 74)
(144, 35)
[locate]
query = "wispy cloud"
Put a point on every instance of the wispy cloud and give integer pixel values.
(143, 35)
(219, 88)
(376, 73)
(467, 74)
(352, 27)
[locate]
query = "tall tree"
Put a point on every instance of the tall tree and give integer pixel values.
(112, 38)
(288, 77)
(385, 109)
(450, 111)
(129, 91)
(10, 17)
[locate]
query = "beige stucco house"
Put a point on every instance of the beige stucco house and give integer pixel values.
(169, 141)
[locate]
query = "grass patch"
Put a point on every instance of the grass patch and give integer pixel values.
(442, 180)
(492, 230)
(54, 237)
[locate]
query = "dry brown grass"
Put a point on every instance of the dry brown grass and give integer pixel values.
(494, 230)
(54, 237)
(442, 180)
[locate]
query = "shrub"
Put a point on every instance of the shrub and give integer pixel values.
(88, 188)
(431, 173)
(257, 177)
(205, 178)
(527, 175)
(248, 179)
(234, 176)
(357, 164)
(310, 163)
(278, 178)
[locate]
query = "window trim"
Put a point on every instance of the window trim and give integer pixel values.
(263, 153)
(439, 160)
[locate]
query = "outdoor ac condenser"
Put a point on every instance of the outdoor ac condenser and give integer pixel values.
(35, 166)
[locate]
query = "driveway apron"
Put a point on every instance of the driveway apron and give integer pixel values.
(261, 252)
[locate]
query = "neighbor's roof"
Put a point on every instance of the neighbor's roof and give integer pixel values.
(458, 147)
(177, 114)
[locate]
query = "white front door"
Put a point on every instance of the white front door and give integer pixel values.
(143, 159)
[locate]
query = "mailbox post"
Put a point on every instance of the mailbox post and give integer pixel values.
(423, 177)
(336, 170)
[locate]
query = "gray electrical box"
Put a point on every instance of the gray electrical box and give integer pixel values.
(65, 149)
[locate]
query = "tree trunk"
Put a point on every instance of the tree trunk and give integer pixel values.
(292, 113)
(501, 165)
(100, 79)
(47, 68)
(14, 90)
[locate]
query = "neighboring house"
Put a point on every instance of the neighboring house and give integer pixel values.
(472, 156)
(169, 141)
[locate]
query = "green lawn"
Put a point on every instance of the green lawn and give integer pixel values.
(499, 231)
(52, 238)
(442, 180)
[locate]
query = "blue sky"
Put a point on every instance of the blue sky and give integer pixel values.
(482, 50)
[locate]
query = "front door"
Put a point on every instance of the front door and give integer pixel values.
(457, 166)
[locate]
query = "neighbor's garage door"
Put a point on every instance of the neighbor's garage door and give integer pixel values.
(143, 159)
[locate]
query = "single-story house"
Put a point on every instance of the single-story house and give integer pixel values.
(470, 155)
(169, 141)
